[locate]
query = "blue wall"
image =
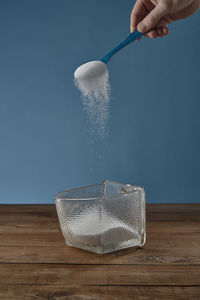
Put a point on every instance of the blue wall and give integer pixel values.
(154, 126)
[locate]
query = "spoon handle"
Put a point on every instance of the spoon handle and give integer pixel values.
(131, 38)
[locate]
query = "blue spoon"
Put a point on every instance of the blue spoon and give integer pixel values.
(95, 68)
(131, 38)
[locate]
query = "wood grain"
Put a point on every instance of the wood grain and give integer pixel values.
(78, 275)
(61, 292)
(35, 262)
(155, 252)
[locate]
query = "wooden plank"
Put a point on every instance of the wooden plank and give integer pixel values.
(157, 251)
(16, 235)
(155, 212)
(170, 207)
(78, 275)
(42, 236)
(61, 292)
(167, 229)
(19, 238)
(27, 208)
(27, 226)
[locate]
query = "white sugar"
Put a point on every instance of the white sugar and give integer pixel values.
(92, 79)
(102, 231)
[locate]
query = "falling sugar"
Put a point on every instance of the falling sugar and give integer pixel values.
(92, 79)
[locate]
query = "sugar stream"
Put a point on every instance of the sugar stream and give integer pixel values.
(92, 79)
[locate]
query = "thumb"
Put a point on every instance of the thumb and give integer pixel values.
(152, 18)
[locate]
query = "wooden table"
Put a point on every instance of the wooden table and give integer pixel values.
(35, 263)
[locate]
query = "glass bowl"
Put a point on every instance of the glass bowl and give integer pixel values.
(104, 217)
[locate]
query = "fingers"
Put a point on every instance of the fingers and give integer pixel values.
(152, 34)
(162, 31)
(163, 22)
(152, 19)
(158, 32)
(138, 13)
(145, 16)
(185, 12)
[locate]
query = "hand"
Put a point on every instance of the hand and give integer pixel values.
(153, 16)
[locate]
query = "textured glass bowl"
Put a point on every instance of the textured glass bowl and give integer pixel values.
(102, 218)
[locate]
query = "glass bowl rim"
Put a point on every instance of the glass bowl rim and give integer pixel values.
(126, 192)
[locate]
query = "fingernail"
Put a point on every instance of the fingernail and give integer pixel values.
(142, 27)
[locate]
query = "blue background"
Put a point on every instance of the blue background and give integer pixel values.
(45, 145)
